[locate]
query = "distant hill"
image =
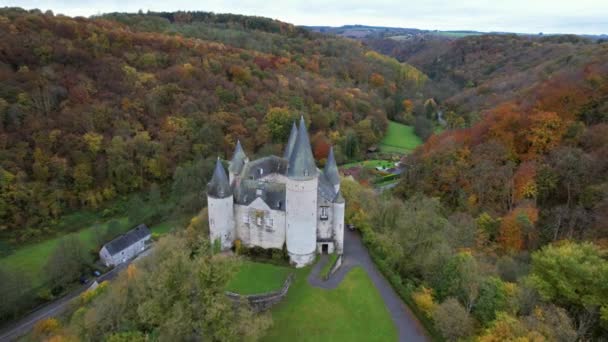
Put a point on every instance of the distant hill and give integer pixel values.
(374, 32)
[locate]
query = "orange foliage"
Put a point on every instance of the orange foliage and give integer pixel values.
(408, 106)
(524, 181)
(545, 133)
(514, 228)
(504, 125)
(376, 80)
(320, 146)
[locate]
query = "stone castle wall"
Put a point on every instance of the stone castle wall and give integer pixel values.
(263, 301)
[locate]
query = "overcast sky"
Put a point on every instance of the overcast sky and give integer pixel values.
(531, 16)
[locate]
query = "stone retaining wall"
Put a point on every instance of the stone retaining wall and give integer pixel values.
(263, 301)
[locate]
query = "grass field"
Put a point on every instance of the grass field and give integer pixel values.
(30, 259)
(399, 138)
(255, 277)
(354, 311)
(372, 163)
(327, 267)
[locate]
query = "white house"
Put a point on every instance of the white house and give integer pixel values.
(126, 246)
(279, 200)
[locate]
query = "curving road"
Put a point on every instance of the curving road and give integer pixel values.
(355, 254)
(18, 328)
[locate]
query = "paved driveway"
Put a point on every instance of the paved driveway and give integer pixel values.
(355, 254)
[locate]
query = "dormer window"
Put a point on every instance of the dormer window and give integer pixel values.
(279, 204)
(324, 213)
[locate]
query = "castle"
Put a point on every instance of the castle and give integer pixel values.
(274, 200)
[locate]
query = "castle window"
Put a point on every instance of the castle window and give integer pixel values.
(324, 213)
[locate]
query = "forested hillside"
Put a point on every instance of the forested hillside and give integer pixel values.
(514, 195)
(93, 109)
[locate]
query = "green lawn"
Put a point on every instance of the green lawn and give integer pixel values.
(354, 311)
(30, 259)
(164, 227)
(372, 163)
(399, 138)
(255, 277)
(327, 267)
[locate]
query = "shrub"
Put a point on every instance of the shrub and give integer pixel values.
(45, 294)
(46, 327)
(424, 300)
(238, 246)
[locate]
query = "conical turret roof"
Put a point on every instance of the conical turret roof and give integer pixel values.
(238, 159)
(301, 162)
(291, 141)
(219, 187)
(339, 198)
(331, 169)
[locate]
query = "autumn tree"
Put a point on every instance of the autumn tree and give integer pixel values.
(516, 228)
(279, 122)
(176, 292)
(573, 275)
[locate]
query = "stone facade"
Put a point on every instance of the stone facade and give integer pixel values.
(126, 246)
(276, 201)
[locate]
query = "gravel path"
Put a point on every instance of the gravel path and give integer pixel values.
(355, 254)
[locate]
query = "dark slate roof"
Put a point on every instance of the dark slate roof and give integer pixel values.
(339, 198)
(291, 141)
(331, 169)
(219, 187)
(268, 165)
(238, 159)
(122, 242)
(301, 162)
(326, 189)
(273, 194)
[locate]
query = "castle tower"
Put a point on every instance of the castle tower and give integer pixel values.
(331, 170)
(301, 198)
(220, 206)
(338, 222)
(239, 159)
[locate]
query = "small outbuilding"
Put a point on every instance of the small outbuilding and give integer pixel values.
(126, 246)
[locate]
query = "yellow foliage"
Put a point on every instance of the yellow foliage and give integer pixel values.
(237, 246)
(46, 327)
(87, 296)
(61, 338)
(509, 328)
(424, 300)
(131, 271)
